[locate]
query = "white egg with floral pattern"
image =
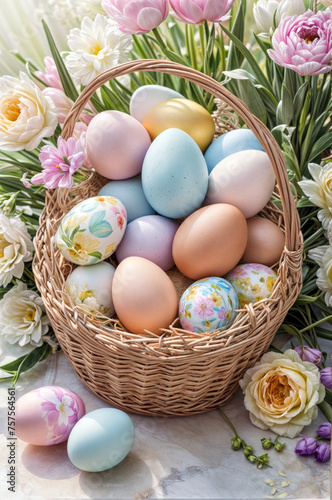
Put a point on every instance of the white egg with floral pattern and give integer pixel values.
(92, 230)
(91, 288)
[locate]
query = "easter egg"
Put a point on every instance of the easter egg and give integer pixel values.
(116, 144)
(230, 143)
(208, 305)
(46, 416)
(252, 282)
(92, 230)
(150, 237)
(131, 194)
(245, 180)
(101, 440)
(210, 242)
(183, 114)
(174, 174)
(144, 296)
(266, 242)
(147, 96)
(91, 287)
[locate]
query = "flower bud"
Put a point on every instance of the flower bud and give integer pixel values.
(262, 460)
(266, 443)
(247, 450)
(279, 446)
(326, 377)
(324, 430)
(236, 443)
(309, 354)
(322, 452)
(251, 458)
(306, 446)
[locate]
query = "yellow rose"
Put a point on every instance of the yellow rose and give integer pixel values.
(282, 393)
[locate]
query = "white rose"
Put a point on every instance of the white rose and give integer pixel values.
(266, 12)
(319, 191)
(282, 393)
(15, 248)
(323, 256)
(22, 316)
(26, 115)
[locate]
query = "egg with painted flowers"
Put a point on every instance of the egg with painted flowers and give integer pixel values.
(92, 230)
(252, 282)
(207, 305)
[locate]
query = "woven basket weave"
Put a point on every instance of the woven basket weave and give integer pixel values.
(176, 372)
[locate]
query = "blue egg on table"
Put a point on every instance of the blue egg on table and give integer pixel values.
(208, 305)
(102, 439)
(130, 192)
(232, 142)
(174, 174)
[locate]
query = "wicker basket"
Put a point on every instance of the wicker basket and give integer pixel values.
(177, 372)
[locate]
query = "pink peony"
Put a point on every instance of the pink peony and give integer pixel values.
(59, 164)
(304, 43)
(203, 307)
(51, 75)
(197, 11)
(136, 16)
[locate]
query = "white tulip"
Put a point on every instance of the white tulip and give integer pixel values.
(319, 191)
(289, 8)
(22, 316)
(269, 13)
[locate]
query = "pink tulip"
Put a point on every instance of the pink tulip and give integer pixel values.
(51, 75)
(304, 43)
(136, 16)
(198, 11)
(62, 103)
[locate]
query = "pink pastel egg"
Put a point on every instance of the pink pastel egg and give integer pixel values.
(116, 144)
(46, 416)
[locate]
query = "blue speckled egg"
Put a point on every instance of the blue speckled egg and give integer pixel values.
(229, 143)
(174, 174)
(101, 440)
(147, 96)
(208, 305)
(130, 192)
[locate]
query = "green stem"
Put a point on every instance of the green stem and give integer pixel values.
(315, 324)
(230, 423)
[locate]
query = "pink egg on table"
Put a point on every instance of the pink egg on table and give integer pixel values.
(46, 416)
(150, 237)
(116, 144)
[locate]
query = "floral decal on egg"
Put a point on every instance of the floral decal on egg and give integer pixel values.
(87, 297)
(208, 305)
(92, 230)
(60, 411)
(252, 282)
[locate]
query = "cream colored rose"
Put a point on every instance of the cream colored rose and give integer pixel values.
(319, 191)
(26, 115)
(282, 393)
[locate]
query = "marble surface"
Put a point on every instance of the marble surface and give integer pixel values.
(175, 458)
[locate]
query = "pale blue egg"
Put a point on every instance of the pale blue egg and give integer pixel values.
(100, 440)
(147, 96)
(208, 305)
(174, 174)
(232, 142)
(130, 192)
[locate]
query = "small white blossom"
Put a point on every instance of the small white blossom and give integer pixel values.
(15, 248)
(323, 256)
(319, 191)
(22, 316)
(96, 47)
(268, 12)
(69, 12)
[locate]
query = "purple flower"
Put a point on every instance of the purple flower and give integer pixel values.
(324, 430)
(323, 452)
(326, 377)
(304, 43)
(306, 446)
(309, 354)
(59, 164)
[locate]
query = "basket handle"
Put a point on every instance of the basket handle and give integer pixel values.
(292, 223)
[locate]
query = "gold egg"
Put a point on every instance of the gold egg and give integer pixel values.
(186, 115)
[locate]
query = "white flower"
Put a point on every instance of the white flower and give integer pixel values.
(323, 256)
(282, 393)
(15, 248)
(70, 12)
(266, 12)
(96, 47)
(319, 191)
(22, 316)
(26, 115)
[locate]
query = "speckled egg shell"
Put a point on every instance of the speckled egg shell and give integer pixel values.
(92, 230)
(208, 305)
(252, 282)
(46, 416)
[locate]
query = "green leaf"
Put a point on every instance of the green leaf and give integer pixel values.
(97, 255)
(305, 299)
(13, 365)
(239, 74)
(299, 100)
(235, 56)
(285, 107)
(67, 83)
(251, 97)
(323, 143)
(31, 359)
